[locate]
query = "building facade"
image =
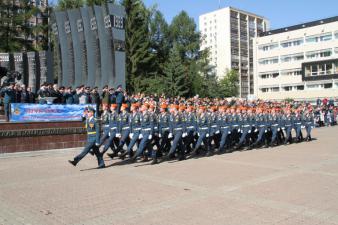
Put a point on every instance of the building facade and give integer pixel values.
(90, 45)
(298, 62)
(228, 34)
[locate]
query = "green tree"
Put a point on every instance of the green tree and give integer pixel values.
(16, 30)
(138, 50)
(98, 2)
(229, 85)
(175, 75)
(69, 4)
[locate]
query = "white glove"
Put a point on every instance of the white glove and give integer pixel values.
(140, 136)
(184, 134)
(283, 128)
(266, 131)
(312, 127)
(118, 135)
(207, 135)
(229, 132)
(278, 129)
(249, 131)
(97, 144)
(302, 127)
(159, 135)
(217, 132)
(109, 134)
(239, 130)
(170, 135)
(150, 137)
(131, 135)
(256, 130)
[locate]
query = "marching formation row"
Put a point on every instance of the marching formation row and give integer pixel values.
(185, 132)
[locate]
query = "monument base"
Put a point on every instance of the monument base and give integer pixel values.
(19, 137)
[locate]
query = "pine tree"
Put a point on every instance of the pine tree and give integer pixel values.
(138, 50)
(175, 75)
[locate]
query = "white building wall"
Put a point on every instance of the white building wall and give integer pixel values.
(304, 48)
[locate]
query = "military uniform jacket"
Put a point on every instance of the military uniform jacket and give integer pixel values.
(123, 121)
(146, 123)
(273, 120)
(135, 123)
(93, 130)
(297, 118)
(260, 120)
(163, 123)
(288, 120)
(308, 120)
(176, 123)
(154, 121)
(105, 121)
(190, 121)
(113, 121)
(246, 121)
(213, 118)
(202, 123)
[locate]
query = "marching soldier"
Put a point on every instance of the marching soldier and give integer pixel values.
(190, 124)
(146, 132)
(177, 129)
(308, 123)
(288, 124)
(203, 130)
(93, 140)
(298, 125)
(123, 127)
(224, 126)
(135, 127)
(113, 130)
(163, 129)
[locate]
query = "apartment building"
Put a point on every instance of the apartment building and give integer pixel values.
(229, 33)
(299, 62)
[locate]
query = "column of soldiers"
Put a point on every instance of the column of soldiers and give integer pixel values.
(164, 132)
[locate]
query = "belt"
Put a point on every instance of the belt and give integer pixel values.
(308, 122)
(204, 128)
(92, 132)
(261, 125)
(225, 127)
(166, 128)
(137, 129)
(147, 129)
(155, 127)
(178, 129)
(235, 125)
(298, 123)
(191, 127)
(125, 128)
(113, 128)
(106, 125)
(214, 126)
(288, 125)
(246, 125)
(274, 125)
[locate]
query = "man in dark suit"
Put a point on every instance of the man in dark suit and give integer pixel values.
(119, 98)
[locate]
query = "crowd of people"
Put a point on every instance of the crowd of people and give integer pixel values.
(164, 128)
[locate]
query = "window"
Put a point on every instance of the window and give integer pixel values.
(275, 89)
(266, 75)
(336, 34)
(328, 85)
(319, 54)
(268, 61)
(292, 72)
(268, 47)
(300, 87)
(294, 42)
(290, 58)
(318, 38)
(287, 88)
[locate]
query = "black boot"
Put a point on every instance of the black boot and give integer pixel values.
(154, 161)
(123, 155)
(73, 162)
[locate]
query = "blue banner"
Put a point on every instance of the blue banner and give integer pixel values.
(46, 113)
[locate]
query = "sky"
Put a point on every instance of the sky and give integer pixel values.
(280, 13)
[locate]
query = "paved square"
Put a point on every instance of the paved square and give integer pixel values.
(295, 184)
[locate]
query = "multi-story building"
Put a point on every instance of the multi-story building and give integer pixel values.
(228, 34)
(299, 62)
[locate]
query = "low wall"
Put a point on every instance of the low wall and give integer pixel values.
(19, 137)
